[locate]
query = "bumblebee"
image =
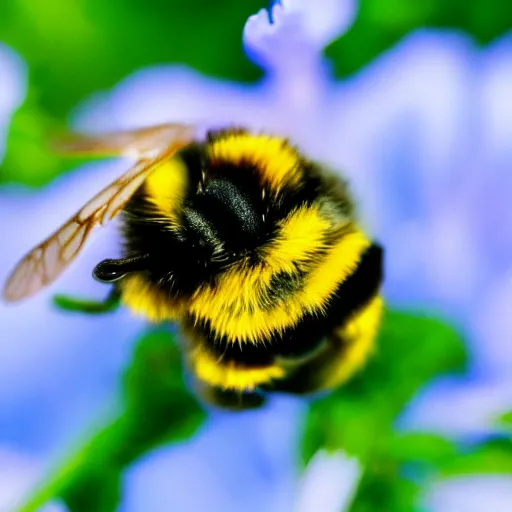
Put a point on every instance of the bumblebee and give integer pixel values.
(252, 249)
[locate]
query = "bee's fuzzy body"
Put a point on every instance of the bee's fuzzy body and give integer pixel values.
(256, 253)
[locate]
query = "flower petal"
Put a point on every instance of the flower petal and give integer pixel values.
(323, 20)
(470, 494)
(238, 461)
(458, 408)
(295, 30)
(173, 94)
(329, 483)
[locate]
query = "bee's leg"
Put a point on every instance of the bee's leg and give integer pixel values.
(229, 399)
(80, 305)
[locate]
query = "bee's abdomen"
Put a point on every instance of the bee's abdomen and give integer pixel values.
(300, 339)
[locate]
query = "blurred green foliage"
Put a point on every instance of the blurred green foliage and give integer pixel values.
(412, 350)
(157, 409)
(492, 456)
(382, 23)
(76, 47)
(506, 419)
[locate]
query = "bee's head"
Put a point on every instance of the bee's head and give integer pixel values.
(215, 204)
(222, 222)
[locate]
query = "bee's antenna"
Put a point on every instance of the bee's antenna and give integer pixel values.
(108, 271)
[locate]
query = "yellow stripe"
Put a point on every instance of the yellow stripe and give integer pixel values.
(278, 162)
(229, 376)
(147, 300)
(166, 187)
(354, 344)
(300, 237)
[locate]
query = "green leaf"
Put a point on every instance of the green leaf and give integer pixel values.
(384, 487)
(421, 447)
(79, 305)
(28, 157)
(158, 408)
(506, 419)
(490, 456)
(76, 47)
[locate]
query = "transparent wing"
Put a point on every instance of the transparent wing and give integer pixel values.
(43, 264)
(135, 143)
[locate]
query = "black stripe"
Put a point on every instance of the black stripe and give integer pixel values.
(195, 159)
(281, 286)
(303, 338)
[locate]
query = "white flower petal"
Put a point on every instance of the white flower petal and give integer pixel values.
(176, 94)
(288, 43)
(491, 326)
(470, 494)
(296, 30)
(328, 484)
(496, 106)
(323, 20)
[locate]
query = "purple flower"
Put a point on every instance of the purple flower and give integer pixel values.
(58, 373)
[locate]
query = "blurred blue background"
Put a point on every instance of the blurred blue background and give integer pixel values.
(410, 100)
